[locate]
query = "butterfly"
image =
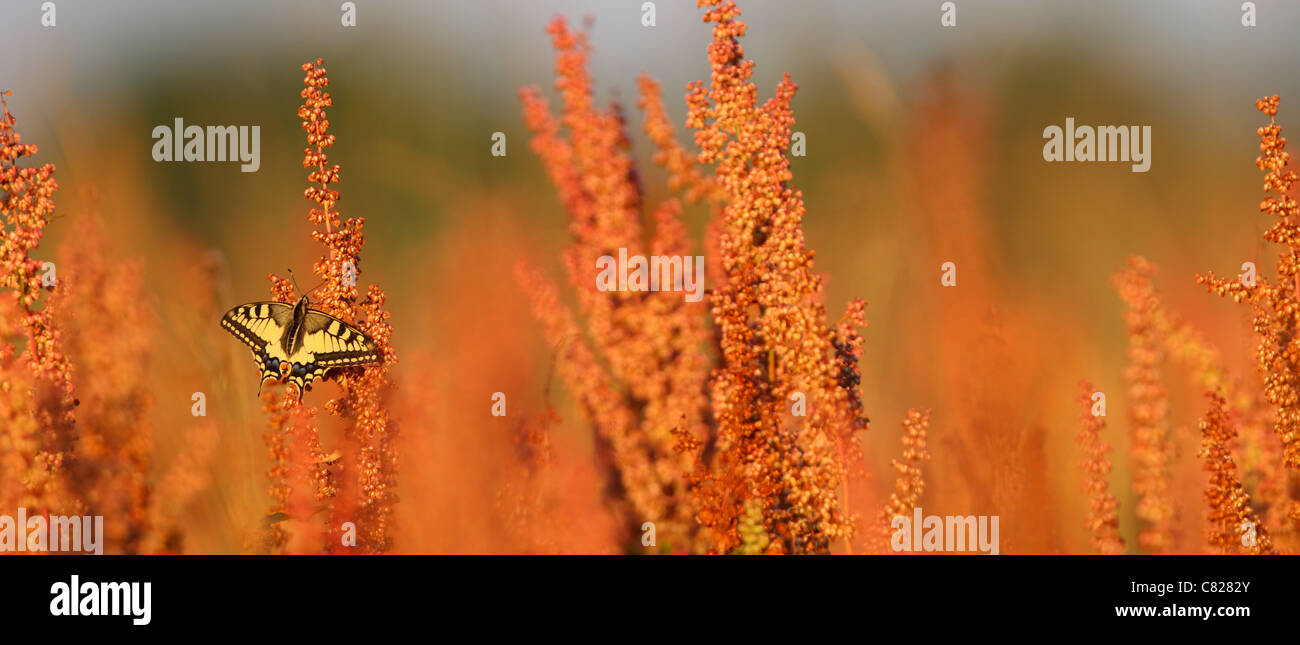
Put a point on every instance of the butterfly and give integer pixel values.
(297, 342)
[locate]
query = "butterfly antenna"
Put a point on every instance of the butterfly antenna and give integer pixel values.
(317, 287)
(306, 293)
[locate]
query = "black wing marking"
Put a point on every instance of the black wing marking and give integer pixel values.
(258, 324)
(261, 325)
(328, 343)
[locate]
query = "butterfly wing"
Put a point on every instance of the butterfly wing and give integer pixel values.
(327, 343)
(261, 325)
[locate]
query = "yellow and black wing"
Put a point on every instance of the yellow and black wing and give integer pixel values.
(327, 343)
(298, 343)
(261, 326)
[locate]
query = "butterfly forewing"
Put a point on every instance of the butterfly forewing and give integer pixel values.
(258, 324)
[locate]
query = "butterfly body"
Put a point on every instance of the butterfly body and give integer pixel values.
(297, 343)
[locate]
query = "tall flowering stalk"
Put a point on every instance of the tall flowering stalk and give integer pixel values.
(1103, 511)
(1276, 303)
(910, 482)
(686, 447)
(1260, 449)
(106, 331)
(775, 338)
(1152, 449)
(371, 464)
(37, 398)
(92, 453)
(639, 372)
(527, 500)
(1233, 525)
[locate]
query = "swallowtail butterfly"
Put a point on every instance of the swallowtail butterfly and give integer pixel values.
(296, 342)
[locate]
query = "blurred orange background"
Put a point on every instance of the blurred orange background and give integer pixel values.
(923, 146)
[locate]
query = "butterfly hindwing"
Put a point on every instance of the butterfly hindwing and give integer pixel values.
(327, 343)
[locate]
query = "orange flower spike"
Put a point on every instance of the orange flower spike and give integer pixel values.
(362, 403)
(1233, 527)
(910, 483)
(1151, 447)
(649, 341)
(42, 433)
(1276, 303)
(774, 336)
(782, 482)
(1103, 512)
(683, 170)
